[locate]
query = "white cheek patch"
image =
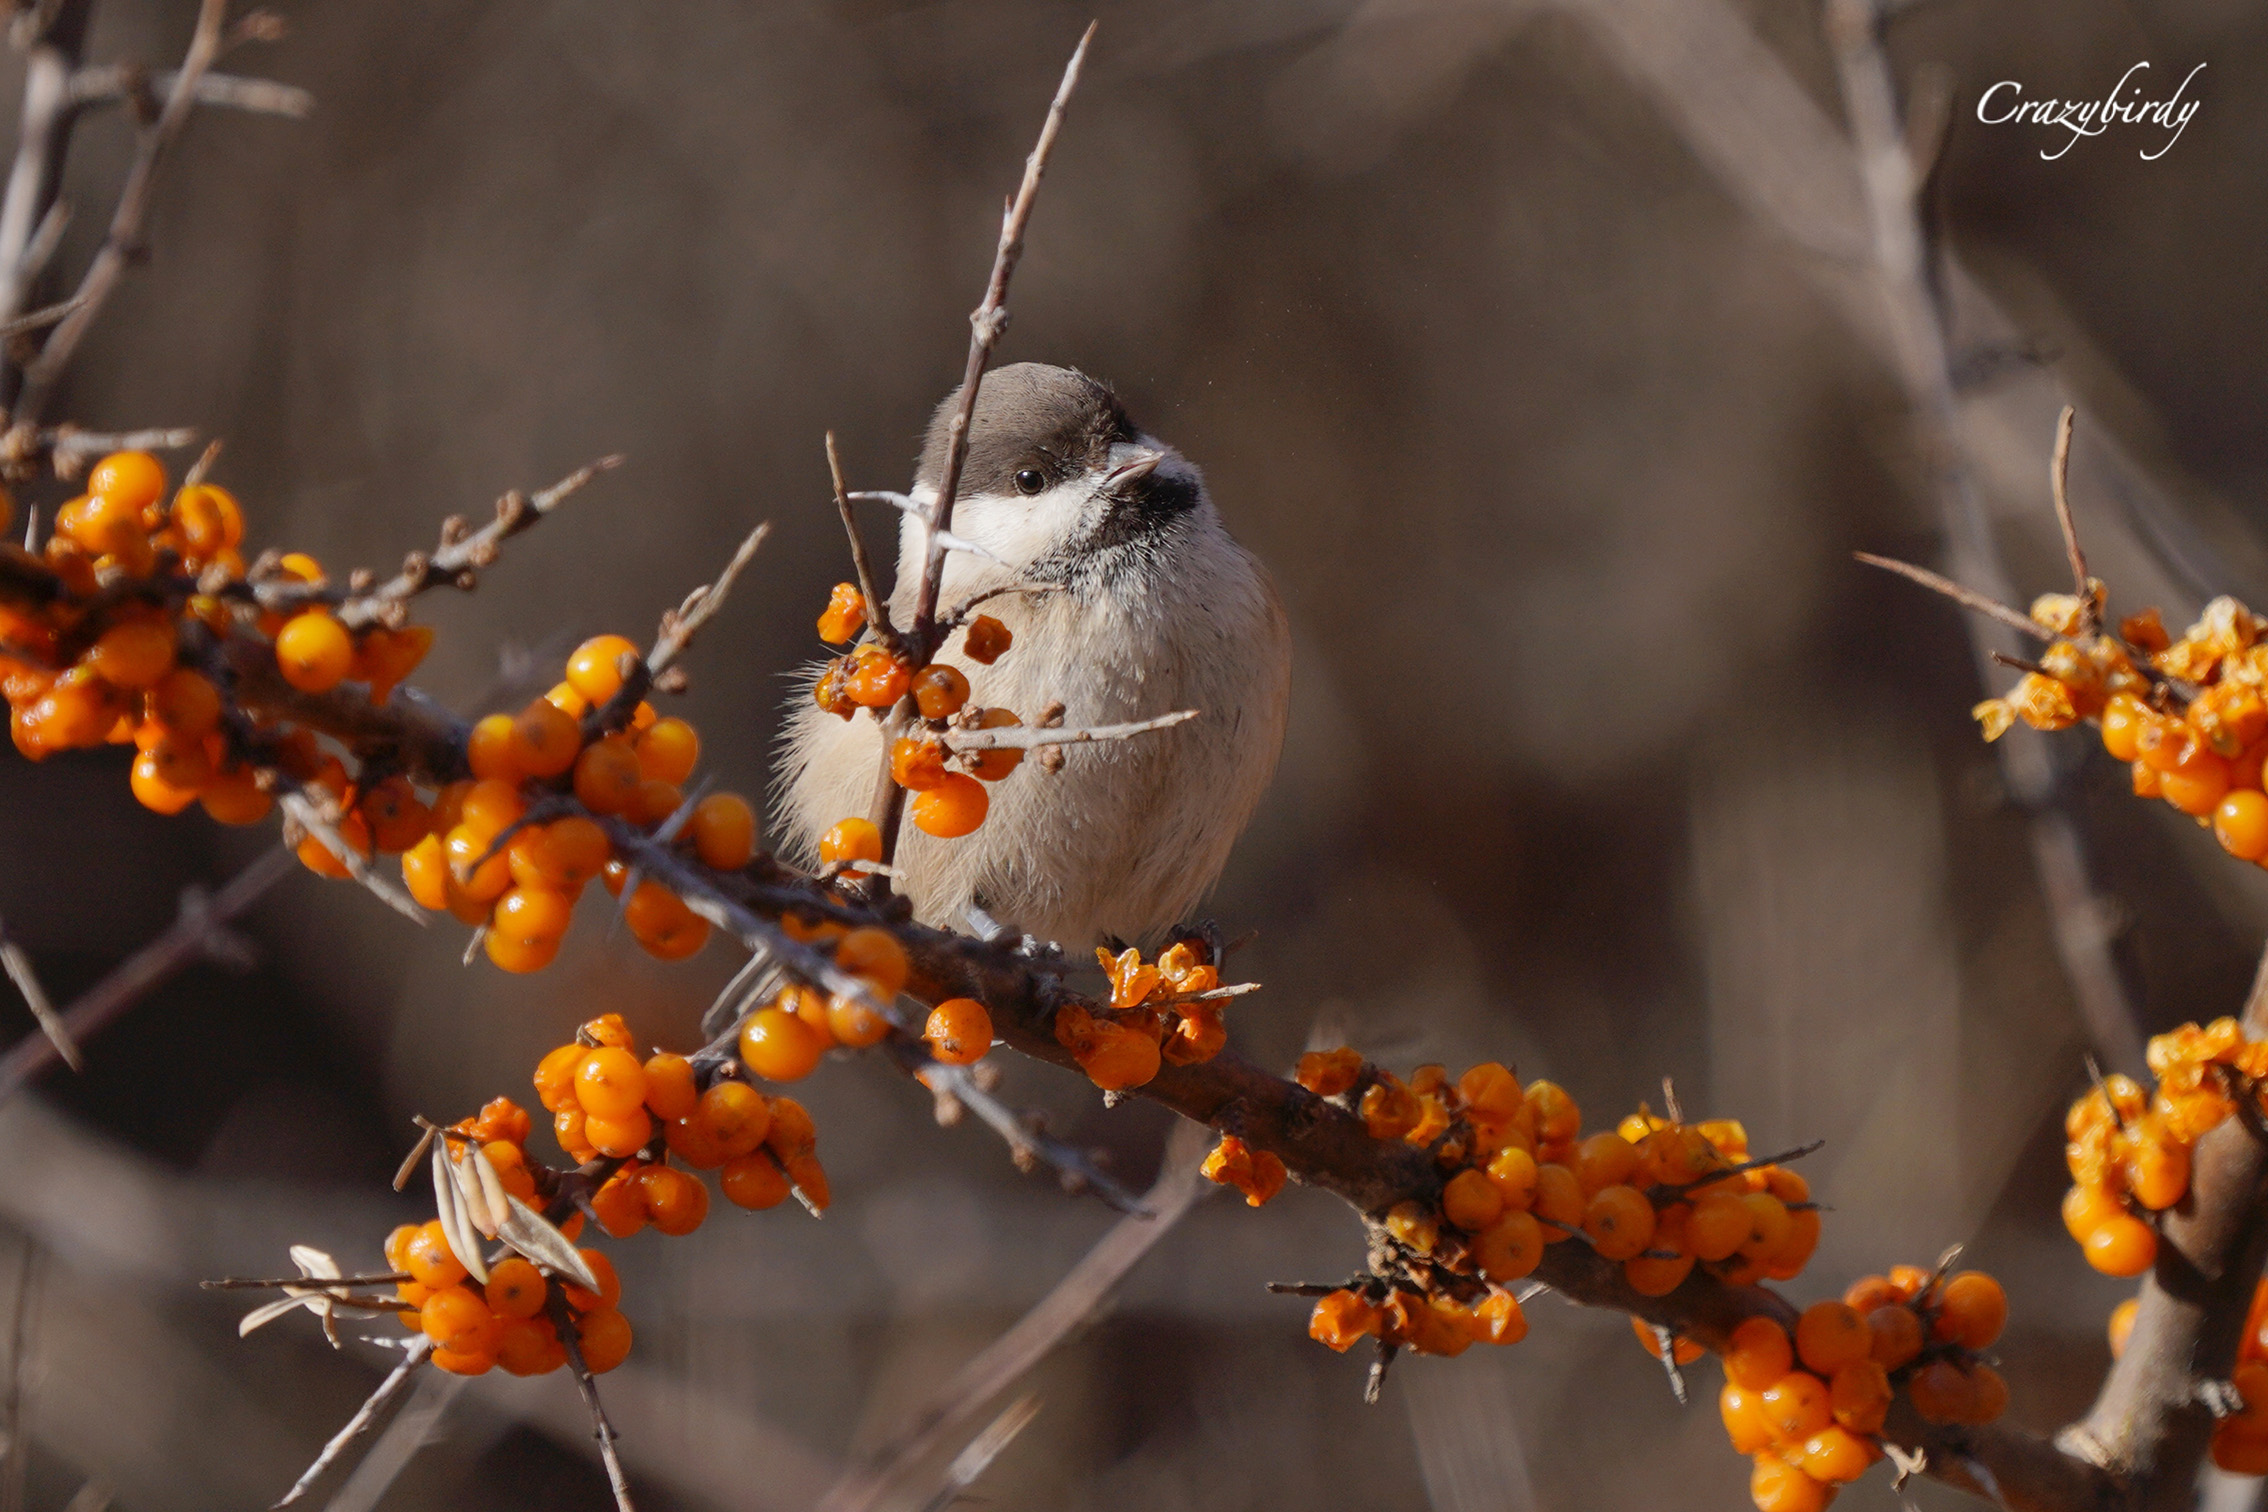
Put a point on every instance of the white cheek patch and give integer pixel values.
(1023, 530)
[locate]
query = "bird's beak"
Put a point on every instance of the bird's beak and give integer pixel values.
(1130, 464)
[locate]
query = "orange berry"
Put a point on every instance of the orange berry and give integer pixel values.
(1510, 1248)
(1796, 1405)
(1513, 1172)
(152, 789)
(428, 1259)
(737, 1116)
(1558, 1203)
(515, 1288)
(1758, 1354)
(1835, 1455)
(1667, 1261)
(314, 651)
(489, 749)
(875, 957)
(619, 1134)
(1942, 1392)
(959, 1031)
(723, 827)
(604, 1339)
(607, 780)
(455, 1319)
(1972, 1310)
(1471, 1201)
(660, 921)
(940, 691)
(397, 817)
(851, 840)
(668, 751)
(1619, 1220)
(675, 1201)
(208, 520)
(618, 1205)
(2199, 789)
(1859, 1396)
(654, 802)
(2122, 1245)
(545, 740)
(594, 670)
(1499, 1320)
(1121, 1059)
(877, 679)
(235, 798)
(1896, 1332)
(692, 1141)
(131, 479)
(610, 1082)
(996, 764)
(185, 702)
(425, 872)
(1721, 1223)
(1777, 1486)
(753, 1181)
(2240, 823)
(1768, 1221)
(670, 1089)
(986, 640)
(529, 1346)
(2087, 1208)
(917, 765)
(482, 881)
(854, 1025)
(1991, 1393)
(1558, 1119)
(2240, 1454)
(1831, 1335)
(2124, 716)
(1741, 1409)
(136, 654)
(955, 807)
(1341, 1319)
(1604, 1160)
(778, 1046)
(532, 915)
(844, 616)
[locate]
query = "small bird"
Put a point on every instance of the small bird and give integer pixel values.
(1147, 606)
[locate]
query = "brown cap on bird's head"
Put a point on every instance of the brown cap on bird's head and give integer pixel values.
(1029, 417)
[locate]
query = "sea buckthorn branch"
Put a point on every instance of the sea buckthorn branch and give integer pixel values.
(2152, 1423)
(1041, 737)
(1029, 1143)
(397, 1380)
(18, 966)
(658, 668)
(108, 83)
(862, 565)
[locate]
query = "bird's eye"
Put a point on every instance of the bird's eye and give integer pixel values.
(1030, 481)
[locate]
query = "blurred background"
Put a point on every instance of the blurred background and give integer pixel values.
(1532, 345)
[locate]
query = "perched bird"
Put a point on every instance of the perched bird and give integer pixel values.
(1150, 606)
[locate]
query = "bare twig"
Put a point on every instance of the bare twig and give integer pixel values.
(364, 1418)
(103, 84)
(40, 318)
(680, 625)
(986, 324)
(982, 1451)
(2059, 474)
(19, 968)
(1008, 1357)
(601, 1429)
(198, 933)
(308, 815)
(43, 137)
(1027, 1146)
(1990, 608)
(124, 240)
(1029, 737)
(877, 607)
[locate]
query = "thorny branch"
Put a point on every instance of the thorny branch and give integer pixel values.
(365, 1418)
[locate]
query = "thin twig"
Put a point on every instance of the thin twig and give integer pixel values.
(1030, 737)
(1991, 609)
(364, 1417)
(107, 83)
(198, 933)
(982, 1451)
(1027, 1146)
(877, 607)
(2059, 474)
(986, 324)
(124, 240)
(304, 812)
(19, 968)
(601, 1429)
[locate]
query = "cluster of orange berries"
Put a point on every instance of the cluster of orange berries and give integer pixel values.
(2204, 759)
(607, 1103)
(99, 663)
(2128, 1148)
(475, 852)
(949, 800)
(1809, 1409)
(1660, 1197)
(1157, 1015)
(475, 1327)
(784, 1040)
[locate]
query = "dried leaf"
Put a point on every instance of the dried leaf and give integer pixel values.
(472, 1196)
(534, 1236)
(266, 1313)
(463, 1239)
